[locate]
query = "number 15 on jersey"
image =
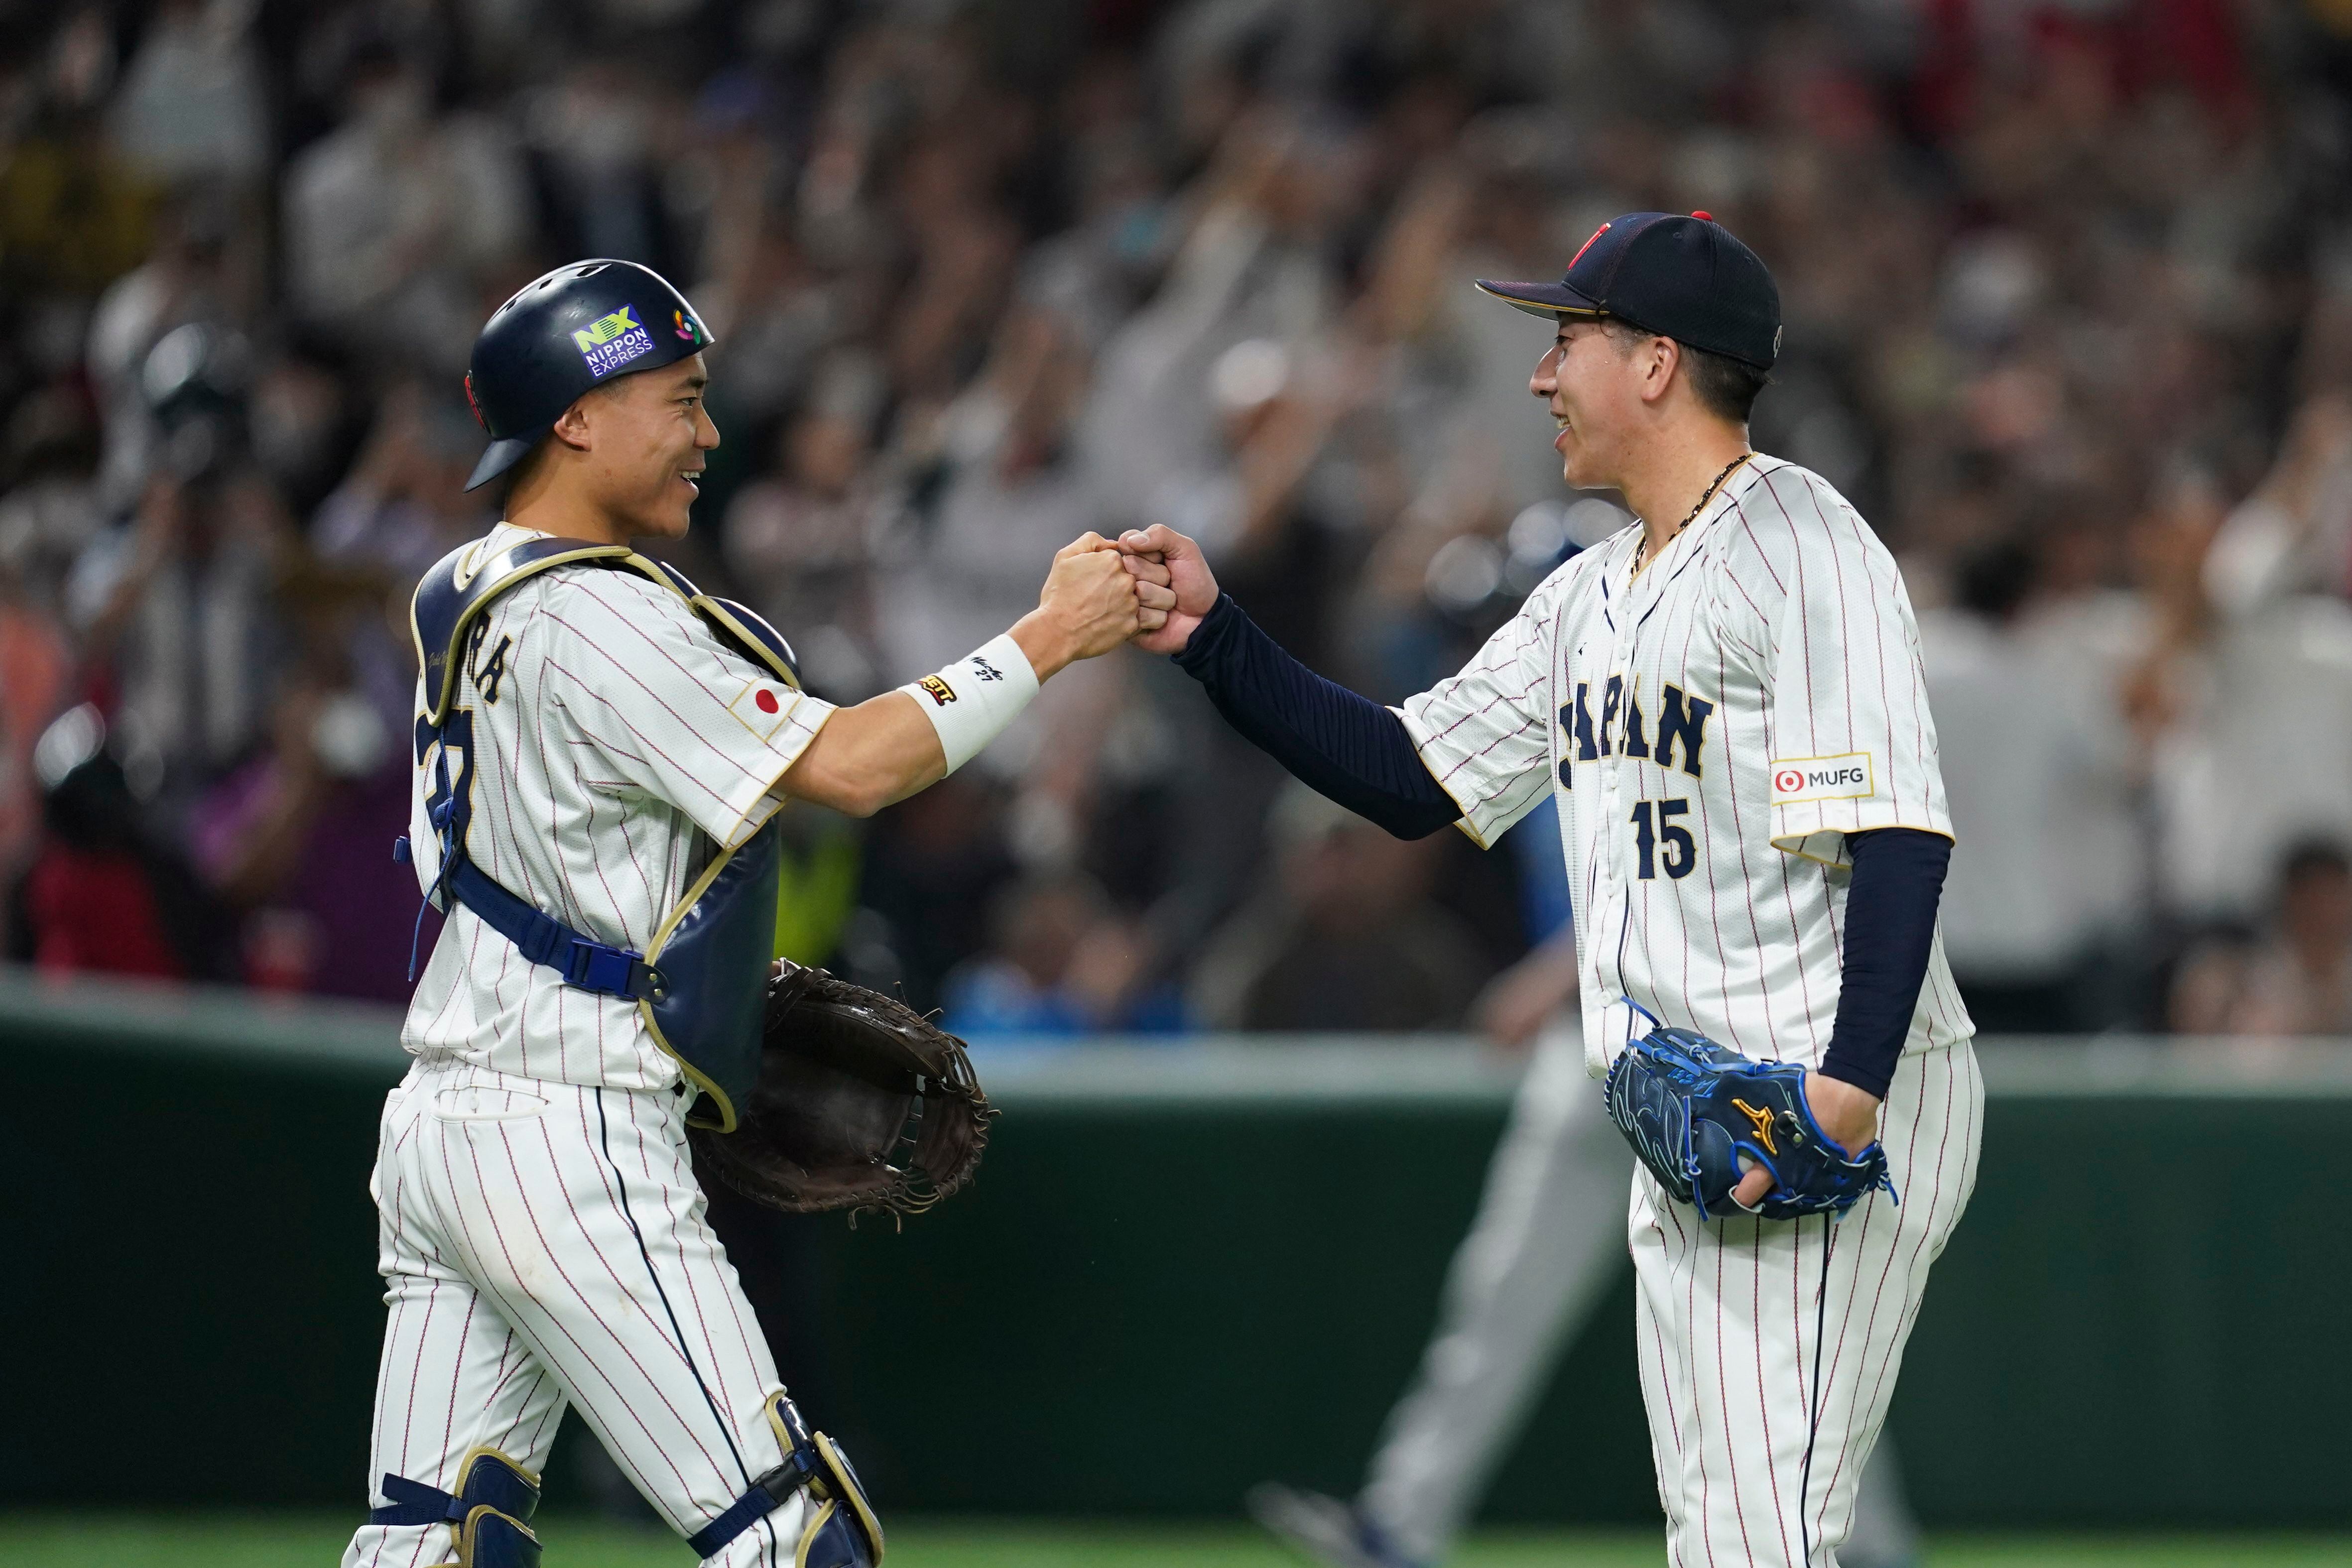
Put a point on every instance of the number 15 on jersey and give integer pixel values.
(1654, 820)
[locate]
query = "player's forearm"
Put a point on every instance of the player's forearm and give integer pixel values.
(882, 751)
(1890, 932)
(1048, 641)
(1346, 747)
(868, 756)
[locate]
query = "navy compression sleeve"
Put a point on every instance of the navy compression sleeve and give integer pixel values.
(1345, 747)
(1890, 926)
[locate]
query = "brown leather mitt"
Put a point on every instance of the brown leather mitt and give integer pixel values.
(862, 1104)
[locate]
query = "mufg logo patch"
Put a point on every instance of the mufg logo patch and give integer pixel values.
(1845, 777)
(611, 342)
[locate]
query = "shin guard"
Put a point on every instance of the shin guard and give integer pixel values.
(488, 1511)
(838, 1529)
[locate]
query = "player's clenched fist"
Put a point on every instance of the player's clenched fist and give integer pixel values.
(885, 749)
(1168, 572)
(1091, 604)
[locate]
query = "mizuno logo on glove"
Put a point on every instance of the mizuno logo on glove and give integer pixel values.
(1762, 1121)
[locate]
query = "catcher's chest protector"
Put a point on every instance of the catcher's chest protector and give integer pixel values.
(701, 984)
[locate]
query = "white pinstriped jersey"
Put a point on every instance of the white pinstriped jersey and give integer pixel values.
(617, 742)
(1712, 727)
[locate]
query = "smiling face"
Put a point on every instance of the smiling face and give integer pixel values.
(1593, 380)
(641, 442)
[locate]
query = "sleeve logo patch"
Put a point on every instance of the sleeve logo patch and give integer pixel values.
(938, 690)
(762, 708)
(1802, 778)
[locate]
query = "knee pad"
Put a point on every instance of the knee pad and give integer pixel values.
(838, 1529)
(489, 1539)
(841, 1531)
(494, 1497)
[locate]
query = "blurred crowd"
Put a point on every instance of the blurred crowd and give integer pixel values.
(2068, 290)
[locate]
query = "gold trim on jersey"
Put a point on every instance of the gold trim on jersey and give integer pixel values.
(1787, 843)
(1460, 821)
(766, 655)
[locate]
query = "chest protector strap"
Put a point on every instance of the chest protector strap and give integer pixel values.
(700, 984)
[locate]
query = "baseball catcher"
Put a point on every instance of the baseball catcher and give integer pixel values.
(600, 752)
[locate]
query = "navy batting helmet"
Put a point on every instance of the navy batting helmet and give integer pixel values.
(573, 329)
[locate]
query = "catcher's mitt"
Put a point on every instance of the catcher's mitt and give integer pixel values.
(1692, 1108)
(862, 1104)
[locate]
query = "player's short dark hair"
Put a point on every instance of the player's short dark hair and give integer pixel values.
(1725, 387)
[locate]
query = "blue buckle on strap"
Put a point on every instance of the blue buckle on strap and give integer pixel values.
(765, 1495)
(616, 971)
(589, 965)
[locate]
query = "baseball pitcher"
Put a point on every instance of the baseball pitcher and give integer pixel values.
(1725, 701)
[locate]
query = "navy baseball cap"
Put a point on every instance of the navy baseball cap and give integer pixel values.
(1681, 277)
(570, 330)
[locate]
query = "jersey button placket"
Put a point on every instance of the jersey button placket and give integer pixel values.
(1614, 761)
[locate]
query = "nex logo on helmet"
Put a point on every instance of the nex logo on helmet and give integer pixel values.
(611, 342)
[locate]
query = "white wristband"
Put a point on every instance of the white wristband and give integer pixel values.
(972, 701)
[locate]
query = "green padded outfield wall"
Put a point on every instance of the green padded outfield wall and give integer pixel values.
(2132, 1326)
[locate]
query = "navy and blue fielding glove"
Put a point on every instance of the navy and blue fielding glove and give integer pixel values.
(1692, 1109)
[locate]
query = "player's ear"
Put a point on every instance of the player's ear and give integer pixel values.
(575, 426)
(1662, 357)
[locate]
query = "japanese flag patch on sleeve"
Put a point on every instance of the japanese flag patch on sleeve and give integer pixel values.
(763, 706)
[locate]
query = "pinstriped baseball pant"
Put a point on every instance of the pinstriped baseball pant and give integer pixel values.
(1769, 1349)
(545, 1245)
